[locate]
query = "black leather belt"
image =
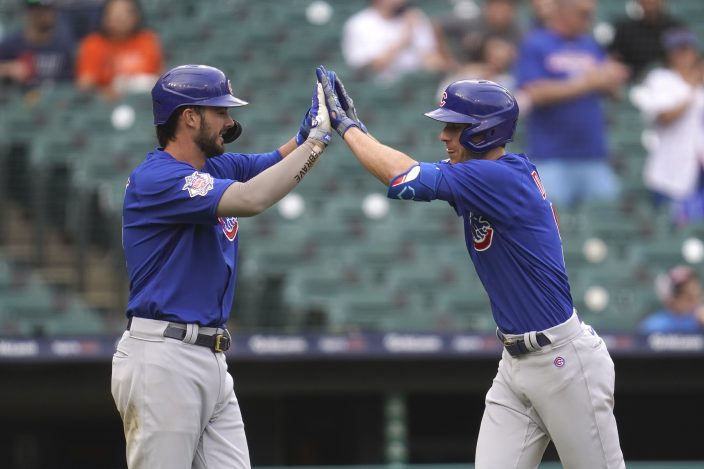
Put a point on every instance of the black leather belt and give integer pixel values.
(215, 342)
(516, 346)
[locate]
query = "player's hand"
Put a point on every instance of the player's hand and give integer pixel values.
(320, 117)
(304, 128)
(338, 117)
(345, 100)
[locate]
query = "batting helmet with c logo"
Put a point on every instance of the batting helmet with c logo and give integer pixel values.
(490, 110)
(194, 85)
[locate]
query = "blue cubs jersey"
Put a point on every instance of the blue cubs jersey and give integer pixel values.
(572, 129)
(667, 321)
(512, 236)
(181, 257)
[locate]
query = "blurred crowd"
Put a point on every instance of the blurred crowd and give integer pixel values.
(549, 58)
(102, 46)
(561, 75)
(562, 65)
(680, 292)
(562, 68)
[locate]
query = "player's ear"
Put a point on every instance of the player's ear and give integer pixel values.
(190, 116)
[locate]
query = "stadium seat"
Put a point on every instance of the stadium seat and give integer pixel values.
(75, 321)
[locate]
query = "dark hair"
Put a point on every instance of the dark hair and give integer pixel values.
(167, 132)
(140, 13)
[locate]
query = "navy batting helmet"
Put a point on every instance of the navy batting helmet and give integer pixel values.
(194, 85)
(488, 108)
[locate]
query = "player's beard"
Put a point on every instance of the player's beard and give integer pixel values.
(206, 143)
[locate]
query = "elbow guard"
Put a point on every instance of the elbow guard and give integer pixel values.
(420, 182)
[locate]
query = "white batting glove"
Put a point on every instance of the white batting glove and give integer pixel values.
(320, 128)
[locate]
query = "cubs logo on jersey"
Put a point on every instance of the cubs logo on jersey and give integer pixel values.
(482, 233)
(229, 226)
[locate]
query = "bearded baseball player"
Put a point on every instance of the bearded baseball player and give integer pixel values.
(555, 379)
(180, 223)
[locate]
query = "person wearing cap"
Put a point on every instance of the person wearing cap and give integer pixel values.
(41, 53)
(181, 218)
(680, 292)
(671, 99)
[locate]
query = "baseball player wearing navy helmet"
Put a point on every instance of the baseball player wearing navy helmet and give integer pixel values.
(555, 379)
(180, 224)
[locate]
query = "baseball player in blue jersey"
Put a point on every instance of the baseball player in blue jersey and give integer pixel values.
(555, 379)
(180, 222)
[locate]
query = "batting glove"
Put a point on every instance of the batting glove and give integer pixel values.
(304, 128)
(345, 100)
(320, 121)
(338, 117)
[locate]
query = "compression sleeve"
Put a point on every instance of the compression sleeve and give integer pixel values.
(419, 183)
(271, 185)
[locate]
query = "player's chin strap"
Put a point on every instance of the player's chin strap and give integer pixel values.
(232, 133)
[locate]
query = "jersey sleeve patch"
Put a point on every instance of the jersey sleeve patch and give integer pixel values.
(198, 184)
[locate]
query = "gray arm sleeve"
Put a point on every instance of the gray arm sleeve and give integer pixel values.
(245, 199)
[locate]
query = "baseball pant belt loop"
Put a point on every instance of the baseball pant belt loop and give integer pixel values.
(214, 338)
(521, 344)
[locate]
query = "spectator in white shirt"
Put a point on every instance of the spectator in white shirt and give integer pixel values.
(389, 39)
(671, 99)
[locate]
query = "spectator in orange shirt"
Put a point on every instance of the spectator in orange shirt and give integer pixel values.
(123, 57)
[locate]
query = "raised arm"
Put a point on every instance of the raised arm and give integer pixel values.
(382, 161)
(250, 198)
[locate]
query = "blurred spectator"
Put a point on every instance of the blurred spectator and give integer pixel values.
(465, 37)
(542, 9)
(496, 59)
(562, 71)
(638, 39)
(81, 17)
(680, 292)
(41, 53)
(671, 99)
(389, 38)
(123, 57)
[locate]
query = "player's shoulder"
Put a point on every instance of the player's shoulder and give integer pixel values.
(494, 173)
(506, 162)
(159, 168)
(219, 165)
